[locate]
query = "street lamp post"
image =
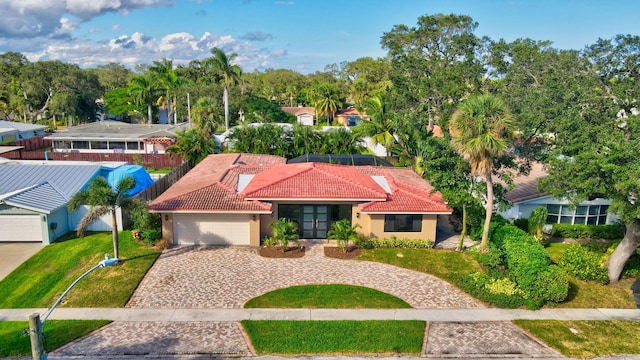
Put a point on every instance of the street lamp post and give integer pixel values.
(36, 326)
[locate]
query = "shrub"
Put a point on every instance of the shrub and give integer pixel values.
(522, 224)
(284, 231)
(493, 258)
(536, 222)
(529, 266)
(497, 222)
(632, 268)
(500, 292)
(151, 235)
(608, 232)
(585, 262)
(343, 232)
(393, 242)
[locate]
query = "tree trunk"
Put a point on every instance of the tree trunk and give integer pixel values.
(149, 113)
(463, 233)
(225, 99)
(114, 232)
(623, 251)
(489, 211)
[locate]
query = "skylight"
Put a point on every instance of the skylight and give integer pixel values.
(382, 181)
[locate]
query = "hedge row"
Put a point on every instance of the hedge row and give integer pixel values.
(393, 242)
(608, 232)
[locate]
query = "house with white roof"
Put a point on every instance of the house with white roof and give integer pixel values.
(11, 131)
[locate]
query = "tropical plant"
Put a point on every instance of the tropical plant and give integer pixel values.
(482, 130)
(284, 231)
(192, 146)
(144, 91)
(341, 141)
(343, 232)
(537, 219)
(102, 199)
(206, 116)
(231, 74)
(168, 79)
(380, 127)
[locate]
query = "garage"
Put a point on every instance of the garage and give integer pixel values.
(211, 229)
(21, 228)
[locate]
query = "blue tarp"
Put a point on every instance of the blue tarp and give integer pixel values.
(143, 180)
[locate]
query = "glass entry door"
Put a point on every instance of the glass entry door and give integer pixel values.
(315, 221)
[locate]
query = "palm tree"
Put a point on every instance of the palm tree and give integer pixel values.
(192, 146)
(380, 127)
(103, 199)
(206, 115)
(144, 91)
(231, 74)
(482, 130)
(164, 73)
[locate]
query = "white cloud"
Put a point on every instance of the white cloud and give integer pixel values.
(23, 19)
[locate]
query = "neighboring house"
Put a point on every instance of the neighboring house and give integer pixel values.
(230, 199)
(304, 115)
(525, 197)
(116, 137)
(349, 117)
(34, 197)
(11, 131)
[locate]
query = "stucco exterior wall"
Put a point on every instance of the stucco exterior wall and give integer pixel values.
(167, 228)
(374, 227)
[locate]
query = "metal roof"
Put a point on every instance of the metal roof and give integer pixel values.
(116, 130)
(32, 185)
(42, 198)
(21, 127)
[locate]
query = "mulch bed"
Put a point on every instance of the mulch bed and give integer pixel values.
(276, 252)
(338, 253)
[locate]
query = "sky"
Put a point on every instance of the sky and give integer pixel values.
(301, 35)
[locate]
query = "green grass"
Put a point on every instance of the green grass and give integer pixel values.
(593, 338)
(555, 250)
(162, 171)
(56, 332)
(39, 281)
(335, 337)
(444, 264)
(334, 296)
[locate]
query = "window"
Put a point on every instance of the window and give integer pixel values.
(402, 223)
(584, 214)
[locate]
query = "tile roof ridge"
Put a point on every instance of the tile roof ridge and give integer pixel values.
(261, 204)
(358, 184)
(289, 176)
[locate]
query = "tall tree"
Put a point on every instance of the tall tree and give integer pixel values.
(192, 146)
(167, 77)
(482, 130)
(231, 74)
(206, 115)
(144, 91)
(104, 199)
(433, 65)
(380, 126)
(597, 141)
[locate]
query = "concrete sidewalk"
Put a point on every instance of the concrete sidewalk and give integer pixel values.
(221, 315)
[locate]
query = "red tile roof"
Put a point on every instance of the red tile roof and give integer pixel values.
(211, 186)
(313, 181)
(298, 110)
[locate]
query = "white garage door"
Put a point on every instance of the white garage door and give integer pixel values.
(20, 228)
(211, 229)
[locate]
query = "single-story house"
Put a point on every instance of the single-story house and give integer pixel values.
(34, 197)
(349, 117)
(304, 115)
(525, 197)
(230, 199)
(116, 137)
(11, 131)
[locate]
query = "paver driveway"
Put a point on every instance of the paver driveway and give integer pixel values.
(227, 277)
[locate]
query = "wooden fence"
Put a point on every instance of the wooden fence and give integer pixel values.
(162, 184)
(35, 143)
(146, 160)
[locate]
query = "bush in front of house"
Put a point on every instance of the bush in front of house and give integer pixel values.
(607, 232)
(530, 267)
(147, 226)
(393, 242)
(501, 291)
(522, 224)
(283, 232)
(585, 262)
(497, 222)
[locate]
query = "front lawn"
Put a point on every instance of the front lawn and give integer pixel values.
(588, 338)
(56, 332)
(444, 264)
(335, 337)
(39, 281)
(334, 296)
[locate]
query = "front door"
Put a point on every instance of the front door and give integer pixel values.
(315, 221)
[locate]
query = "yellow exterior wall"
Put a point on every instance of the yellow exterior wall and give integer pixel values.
(375, 227)
(254, 230)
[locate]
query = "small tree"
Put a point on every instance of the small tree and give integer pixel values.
(103, 199)
(536, 221)
(284, 231)
(343, 232)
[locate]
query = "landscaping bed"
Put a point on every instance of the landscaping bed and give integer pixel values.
(276, 252)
